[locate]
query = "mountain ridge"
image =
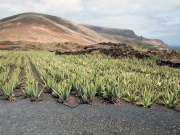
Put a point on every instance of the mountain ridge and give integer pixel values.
(127, 36)
(112, 31)
(36, 27)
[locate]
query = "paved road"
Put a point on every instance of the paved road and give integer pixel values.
(46, 118)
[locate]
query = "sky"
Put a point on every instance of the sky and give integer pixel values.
(154, 19)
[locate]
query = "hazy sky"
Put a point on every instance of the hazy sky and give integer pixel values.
(149, 18)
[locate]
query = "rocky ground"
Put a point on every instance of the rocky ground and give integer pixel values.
(167, 57)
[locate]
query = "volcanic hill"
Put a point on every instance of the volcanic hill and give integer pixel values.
(35, 27)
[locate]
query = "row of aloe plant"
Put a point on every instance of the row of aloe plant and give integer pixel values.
(4, 75)
(6, 62)
(114, 79)
(9, 81)
(12, 83)
(31, 85)
(54, 83)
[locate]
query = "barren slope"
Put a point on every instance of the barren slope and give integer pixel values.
(126, 36)
(35, 27)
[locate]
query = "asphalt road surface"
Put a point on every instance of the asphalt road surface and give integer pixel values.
(23, 117)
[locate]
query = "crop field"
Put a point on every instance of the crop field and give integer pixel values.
(3, 52)
(39, 75)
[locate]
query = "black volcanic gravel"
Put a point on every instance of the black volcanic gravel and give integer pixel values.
(23, 117)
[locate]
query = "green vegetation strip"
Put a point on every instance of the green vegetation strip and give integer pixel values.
(141, 82)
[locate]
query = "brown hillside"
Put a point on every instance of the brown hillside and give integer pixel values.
(35, 27)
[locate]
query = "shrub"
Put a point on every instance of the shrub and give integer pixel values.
(155, 58)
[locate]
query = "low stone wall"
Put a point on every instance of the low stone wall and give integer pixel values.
(122, 50)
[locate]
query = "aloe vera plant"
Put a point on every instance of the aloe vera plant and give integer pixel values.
(131, 93)
(83, 89)
(117, 93)
(91, 92)
(87, 90)
(50, 83)
(9, 91)
(131, 96)
(62, 90)
(44, 75)
(113, 91)
(35, 93)
(148, 98)
(3, 76)
(74, 82)
(15, 80)
(28, 89)
(171, 99)
(58, 77)
(99, 85)
(109, 91)
(75, 85)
